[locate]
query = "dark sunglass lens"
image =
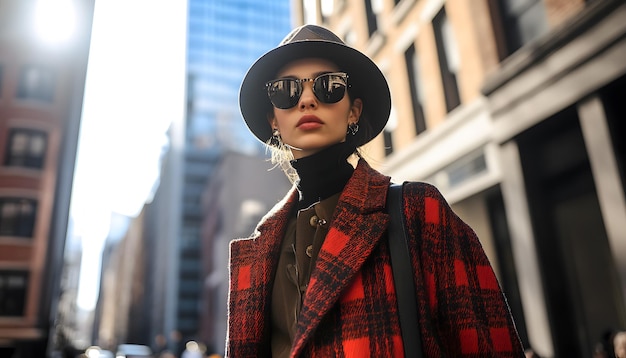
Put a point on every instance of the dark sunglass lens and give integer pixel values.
(284, 93)
(330, 88)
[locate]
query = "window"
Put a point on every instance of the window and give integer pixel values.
(13, 285)
(372, 22)
(517, 22)
(36, 83)
(26, 148)
(390, 128)
(448, 59)
(417, 95)
(17, 217)
(466, 168)
(388, 142)
(372, 9)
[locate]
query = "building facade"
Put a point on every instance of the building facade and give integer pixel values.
(512, 109)
(224, 38)
(41, 87)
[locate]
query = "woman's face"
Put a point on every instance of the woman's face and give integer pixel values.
(312, 125)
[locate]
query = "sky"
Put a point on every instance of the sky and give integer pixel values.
(135, 87)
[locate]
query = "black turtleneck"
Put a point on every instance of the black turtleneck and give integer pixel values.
(324, 173)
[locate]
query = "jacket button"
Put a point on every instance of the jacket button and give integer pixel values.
(309, 251)
(313, 221)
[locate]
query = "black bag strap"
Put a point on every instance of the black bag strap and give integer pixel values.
(403, 274)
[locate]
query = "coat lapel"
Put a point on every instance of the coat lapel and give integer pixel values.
(253, 262)
(357, 226)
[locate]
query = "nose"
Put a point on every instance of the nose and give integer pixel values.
(308, 99)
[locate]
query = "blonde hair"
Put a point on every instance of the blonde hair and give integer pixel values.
(281, 156)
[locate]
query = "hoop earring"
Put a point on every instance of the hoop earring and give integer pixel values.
(275, 139)
(353, 128)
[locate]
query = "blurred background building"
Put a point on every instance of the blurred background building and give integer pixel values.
(42, 77)
(178, 291)
(512, 108)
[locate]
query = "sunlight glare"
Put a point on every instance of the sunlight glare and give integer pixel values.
(55, 20)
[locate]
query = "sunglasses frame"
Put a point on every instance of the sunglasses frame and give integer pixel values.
(343, 75)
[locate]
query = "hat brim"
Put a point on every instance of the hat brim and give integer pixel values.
(366, 80)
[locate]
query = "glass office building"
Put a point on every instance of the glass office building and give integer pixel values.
(224, 39)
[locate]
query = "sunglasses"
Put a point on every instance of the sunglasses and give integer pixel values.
(285, 93)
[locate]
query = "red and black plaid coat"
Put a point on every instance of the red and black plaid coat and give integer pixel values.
(350, 309)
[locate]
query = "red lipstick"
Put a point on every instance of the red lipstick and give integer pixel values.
(309, 122)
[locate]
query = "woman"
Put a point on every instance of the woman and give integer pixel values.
(315, 277)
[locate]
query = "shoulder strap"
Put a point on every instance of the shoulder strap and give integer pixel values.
(403, 274)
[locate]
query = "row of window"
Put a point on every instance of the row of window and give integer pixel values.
(448, 64)
(516, 22)
(35, 82)
(17, 218)
(25, 148)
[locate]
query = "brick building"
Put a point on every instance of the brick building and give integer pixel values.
(40, 100)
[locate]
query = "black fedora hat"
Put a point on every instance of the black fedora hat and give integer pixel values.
(311, 41)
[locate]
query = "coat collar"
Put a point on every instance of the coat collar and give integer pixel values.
(365, 192)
